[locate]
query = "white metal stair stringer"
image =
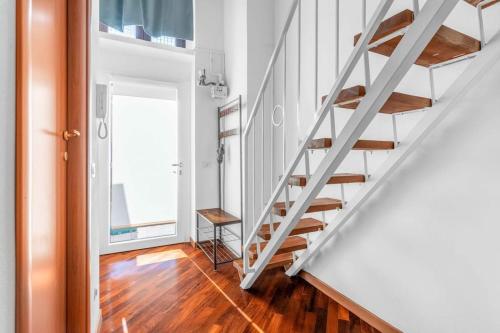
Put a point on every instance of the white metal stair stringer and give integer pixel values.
(411, 46)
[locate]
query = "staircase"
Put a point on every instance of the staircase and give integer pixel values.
(281, 235)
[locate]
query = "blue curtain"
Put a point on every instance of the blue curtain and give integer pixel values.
(172, 18)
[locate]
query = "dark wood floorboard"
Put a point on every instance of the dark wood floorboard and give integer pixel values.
(174, 289)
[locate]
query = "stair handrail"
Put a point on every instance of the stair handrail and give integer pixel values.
(357, 53)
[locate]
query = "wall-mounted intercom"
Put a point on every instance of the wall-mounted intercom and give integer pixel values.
(101, 107)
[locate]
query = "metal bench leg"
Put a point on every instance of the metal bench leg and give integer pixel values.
(215, 248)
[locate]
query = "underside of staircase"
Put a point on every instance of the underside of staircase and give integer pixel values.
(445, 45)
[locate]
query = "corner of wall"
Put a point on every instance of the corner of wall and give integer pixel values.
(7, 164)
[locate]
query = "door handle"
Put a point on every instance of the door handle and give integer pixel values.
(70, 134)
(179, 167)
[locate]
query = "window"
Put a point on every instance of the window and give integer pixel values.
(168, 22)
(137, 32)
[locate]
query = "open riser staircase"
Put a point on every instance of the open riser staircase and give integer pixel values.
(281, 231)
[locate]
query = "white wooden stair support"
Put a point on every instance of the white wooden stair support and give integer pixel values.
(270, 243)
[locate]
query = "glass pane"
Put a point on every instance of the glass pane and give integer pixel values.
(144, 185)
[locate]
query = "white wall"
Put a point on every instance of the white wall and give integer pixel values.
(7, 164)
(235, 47)
(209, 37)
(419, 255)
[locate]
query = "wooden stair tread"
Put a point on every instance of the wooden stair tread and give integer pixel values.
(278, 260)
(447, 43)
(218, 216)
(398, 102)
(292, 243)
(317, 205)
(305, 225)
(338, 178)
(476, 2)
(325, 143)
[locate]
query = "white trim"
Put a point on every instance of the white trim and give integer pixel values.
(182, 227)
(139, 42)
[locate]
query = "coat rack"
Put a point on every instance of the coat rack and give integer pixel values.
(213, 237)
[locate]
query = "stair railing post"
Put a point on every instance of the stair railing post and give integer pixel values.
(287, 197)
(299, 60)
(395, 130)
(271, 222)
(254, 191)
(316, 54)
(433, 87)
(263, 153)
(366, 55)
(365, 165)
(333, 131)
(337, 63)
(337, 38)
(244, 199)
(307, 165)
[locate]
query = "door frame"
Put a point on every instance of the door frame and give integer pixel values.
(105, 247)
(77, 249)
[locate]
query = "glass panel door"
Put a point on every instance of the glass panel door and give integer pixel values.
(144, 169)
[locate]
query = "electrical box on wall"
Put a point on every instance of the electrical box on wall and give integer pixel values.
(219, 91)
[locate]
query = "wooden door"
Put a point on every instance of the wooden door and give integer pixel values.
(51, 222)
(40, 166)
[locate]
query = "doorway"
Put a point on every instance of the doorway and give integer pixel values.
(145, 167)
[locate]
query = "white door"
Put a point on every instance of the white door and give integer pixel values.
(145, 168)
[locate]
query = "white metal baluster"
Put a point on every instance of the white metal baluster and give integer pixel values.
(254, 134)
(263, 152)
(395, 130)
(299, 41)
(316, 36)
(308, 168)
(337, 38)
(263, 158)
(287, 198)
(245, 207)
(253, 173)
(287, 195)
(337, 64)
(365, 164)
(284, 107)
(271, 225)
(323, 219)
(433, 87)
(342, 194)
(332, 123)
(366, 56)
(481, 25)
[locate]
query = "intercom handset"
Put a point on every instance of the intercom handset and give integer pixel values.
(102, 109)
